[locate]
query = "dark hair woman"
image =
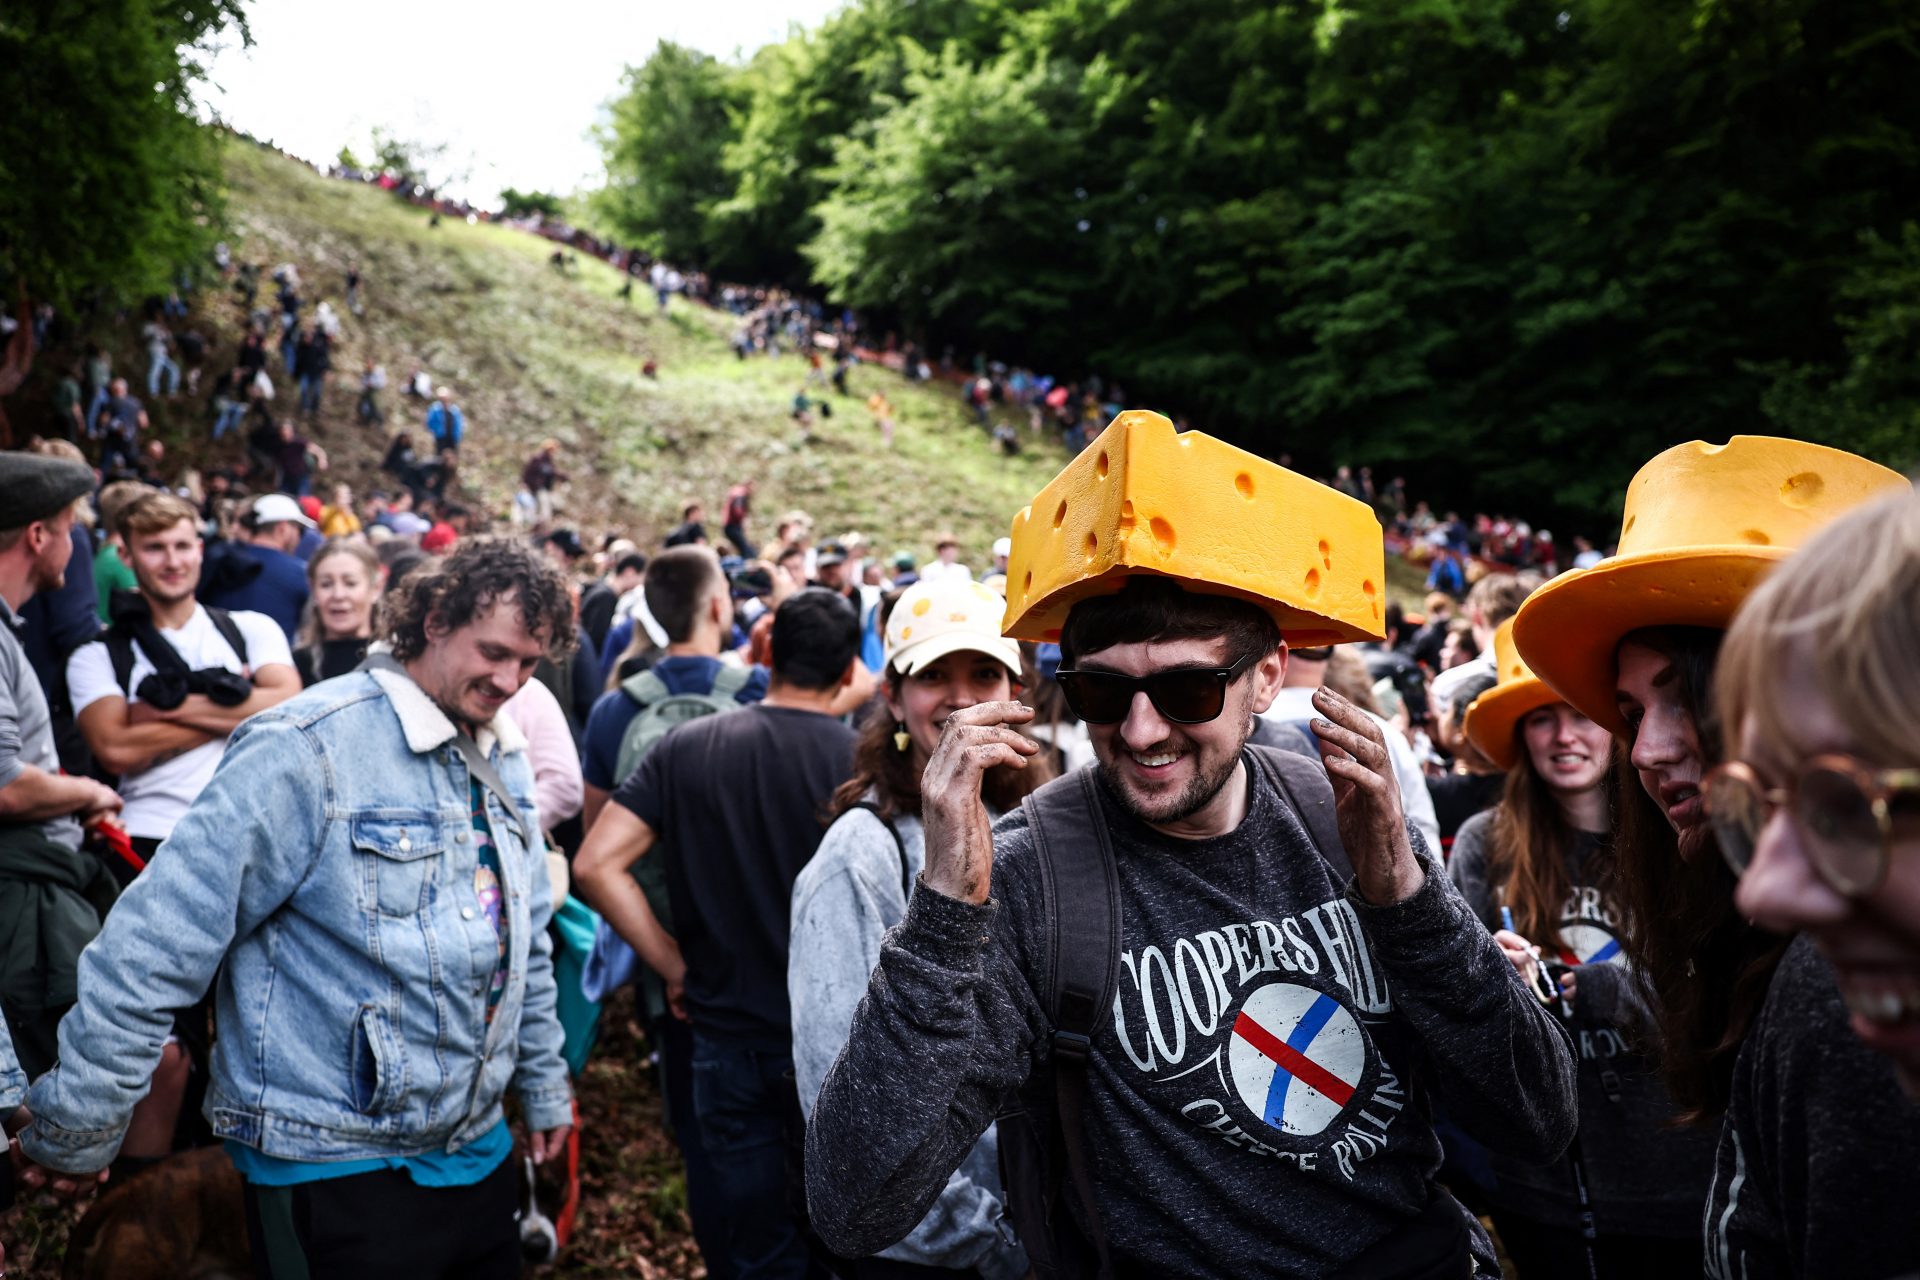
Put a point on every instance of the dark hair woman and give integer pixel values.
(1633, 642)
(1538, 869)
(944, 653)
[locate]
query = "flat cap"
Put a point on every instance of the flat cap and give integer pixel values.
(34, 487)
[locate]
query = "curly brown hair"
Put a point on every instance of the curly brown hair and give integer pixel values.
(453, 592)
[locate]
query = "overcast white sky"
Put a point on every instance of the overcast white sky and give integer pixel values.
(513, 88)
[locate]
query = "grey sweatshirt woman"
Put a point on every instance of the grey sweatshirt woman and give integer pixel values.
(845, 900)
(1644, 1176)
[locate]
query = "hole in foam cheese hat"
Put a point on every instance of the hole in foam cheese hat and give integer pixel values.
(1143, 499)
(1703, 524)
(1491, 719)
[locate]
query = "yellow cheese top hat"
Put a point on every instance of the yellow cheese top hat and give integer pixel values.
(1491, 718)
(1703, 524)
(1143, 499)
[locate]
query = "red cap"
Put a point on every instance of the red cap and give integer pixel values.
(439, 538)
(310, 507)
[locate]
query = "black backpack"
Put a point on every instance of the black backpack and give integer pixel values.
(1043, 1149)
(119, 642)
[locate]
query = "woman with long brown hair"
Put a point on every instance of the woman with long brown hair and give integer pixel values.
(944, 652)
(1538, 869)
(1633, 642)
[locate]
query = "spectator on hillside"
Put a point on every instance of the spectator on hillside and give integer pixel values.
(403, 464)
(401, 517)
(312, 360)
(160, 365)
(734, 523)
(539, 476)
(1585, 554)
(725, 963)
(1445, 574)
(118, 425)
(445, 422)
(343, 580)
(42, 810)
(905, 574)
(353, 288)
(373, 380)
(193, 356)
(110, 571)
(296, 457)
(692, 529)
(260, 572)
(946, 563)
(69, 406)
(882, 410)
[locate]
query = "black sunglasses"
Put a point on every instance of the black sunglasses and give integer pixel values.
(1185, 695)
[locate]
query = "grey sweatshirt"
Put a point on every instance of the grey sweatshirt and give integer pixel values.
(845, 900)
(1644, 1176)
(1817, 1173)
(1258, 1104)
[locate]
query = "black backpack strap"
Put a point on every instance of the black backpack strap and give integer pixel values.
(899, 845)
(1303, 782)
(119, 642)
(229, 631)
(1080, 887)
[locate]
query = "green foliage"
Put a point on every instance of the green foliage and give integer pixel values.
(662, 142)
(347, 160)
(1513, 249)
(522, 204)
(107, 183)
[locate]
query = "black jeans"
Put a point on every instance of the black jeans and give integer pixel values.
(383, 1226)
(751, 1129)
(706, 1205)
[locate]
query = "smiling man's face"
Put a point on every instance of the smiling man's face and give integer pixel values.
(1167, 773)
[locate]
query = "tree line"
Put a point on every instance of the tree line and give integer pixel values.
(1509, 250)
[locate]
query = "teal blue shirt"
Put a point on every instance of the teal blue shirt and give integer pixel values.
(462, 1168)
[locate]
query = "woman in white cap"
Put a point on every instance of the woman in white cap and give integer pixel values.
(944, 652)
(1538, 869)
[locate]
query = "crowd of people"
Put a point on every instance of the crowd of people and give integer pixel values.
(1569, 921)
(1580, 908)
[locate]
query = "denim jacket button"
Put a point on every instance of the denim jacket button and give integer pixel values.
(466, 913)
(459, 837)
(406, 843)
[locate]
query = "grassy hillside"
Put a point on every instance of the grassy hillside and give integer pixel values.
(532, 353)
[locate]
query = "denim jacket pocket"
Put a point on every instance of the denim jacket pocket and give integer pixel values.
(376, 1064)
(405, 850)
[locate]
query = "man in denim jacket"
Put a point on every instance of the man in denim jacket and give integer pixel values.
(376, 913)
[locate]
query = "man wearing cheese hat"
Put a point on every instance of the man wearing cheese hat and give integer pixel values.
(1214, 989)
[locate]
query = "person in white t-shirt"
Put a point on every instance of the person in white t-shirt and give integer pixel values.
(946, 566)
(165, 754)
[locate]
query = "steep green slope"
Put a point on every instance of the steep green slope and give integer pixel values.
(533, 353)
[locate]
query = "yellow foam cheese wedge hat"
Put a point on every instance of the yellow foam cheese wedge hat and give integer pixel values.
(1703, 524)
(1144, 499)
(1492, 716)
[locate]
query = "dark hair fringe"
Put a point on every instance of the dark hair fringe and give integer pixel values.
(1160, 609)
(452, 593)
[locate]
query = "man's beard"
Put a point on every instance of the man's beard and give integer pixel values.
(1197, 794)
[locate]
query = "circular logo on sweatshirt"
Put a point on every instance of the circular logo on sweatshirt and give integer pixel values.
(1297, 1055)
(1586, 944)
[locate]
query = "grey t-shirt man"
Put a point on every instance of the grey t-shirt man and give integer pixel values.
(26, 724)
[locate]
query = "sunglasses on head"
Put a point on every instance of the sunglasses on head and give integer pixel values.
(1845, 811)
(1184, 695)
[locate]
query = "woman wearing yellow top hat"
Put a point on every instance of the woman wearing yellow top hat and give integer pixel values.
(1538, 871)
(1633, 642)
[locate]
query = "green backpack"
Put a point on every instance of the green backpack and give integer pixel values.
(661, 711)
